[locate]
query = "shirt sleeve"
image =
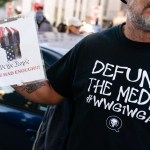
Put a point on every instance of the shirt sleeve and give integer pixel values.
(61, 74)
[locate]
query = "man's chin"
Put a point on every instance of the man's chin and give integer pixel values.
(145, 28)
(143, 22)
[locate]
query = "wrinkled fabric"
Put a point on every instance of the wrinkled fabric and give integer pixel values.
(53, 131)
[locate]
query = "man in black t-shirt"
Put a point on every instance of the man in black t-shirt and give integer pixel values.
(107, 78)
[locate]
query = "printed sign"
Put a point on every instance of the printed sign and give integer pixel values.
(20, 56)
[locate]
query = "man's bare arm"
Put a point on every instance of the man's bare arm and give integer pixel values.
(40, 92)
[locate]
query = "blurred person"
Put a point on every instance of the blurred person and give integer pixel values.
(43, 24)
(109, 24)
(92, 27)
(38, 7)
(107, 78)
(97, 27)
(89, 28)
(120, 18)
(74, 25)
(10, 9)
(62, 27)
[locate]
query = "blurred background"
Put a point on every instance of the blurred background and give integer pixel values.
(106, 13)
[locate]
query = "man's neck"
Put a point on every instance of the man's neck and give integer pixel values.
(135, 34)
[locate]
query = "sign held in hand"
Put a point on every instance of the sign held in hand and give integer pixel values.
(20, 56)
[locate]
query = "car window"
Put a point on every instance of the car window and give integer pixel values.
(50, 57)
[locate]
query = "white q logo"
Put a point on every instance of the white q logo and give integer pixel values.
(114, 123)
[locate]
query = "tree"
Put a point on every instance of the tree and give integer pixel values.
(3, 2)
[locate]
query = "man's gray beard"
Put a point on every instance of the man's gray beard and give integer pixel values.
(141, 22)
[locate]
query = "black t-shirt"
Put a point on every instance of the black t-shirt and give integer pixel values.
(107, 76)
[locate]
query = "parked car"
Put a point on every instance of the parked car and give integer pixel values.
(19, 117)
